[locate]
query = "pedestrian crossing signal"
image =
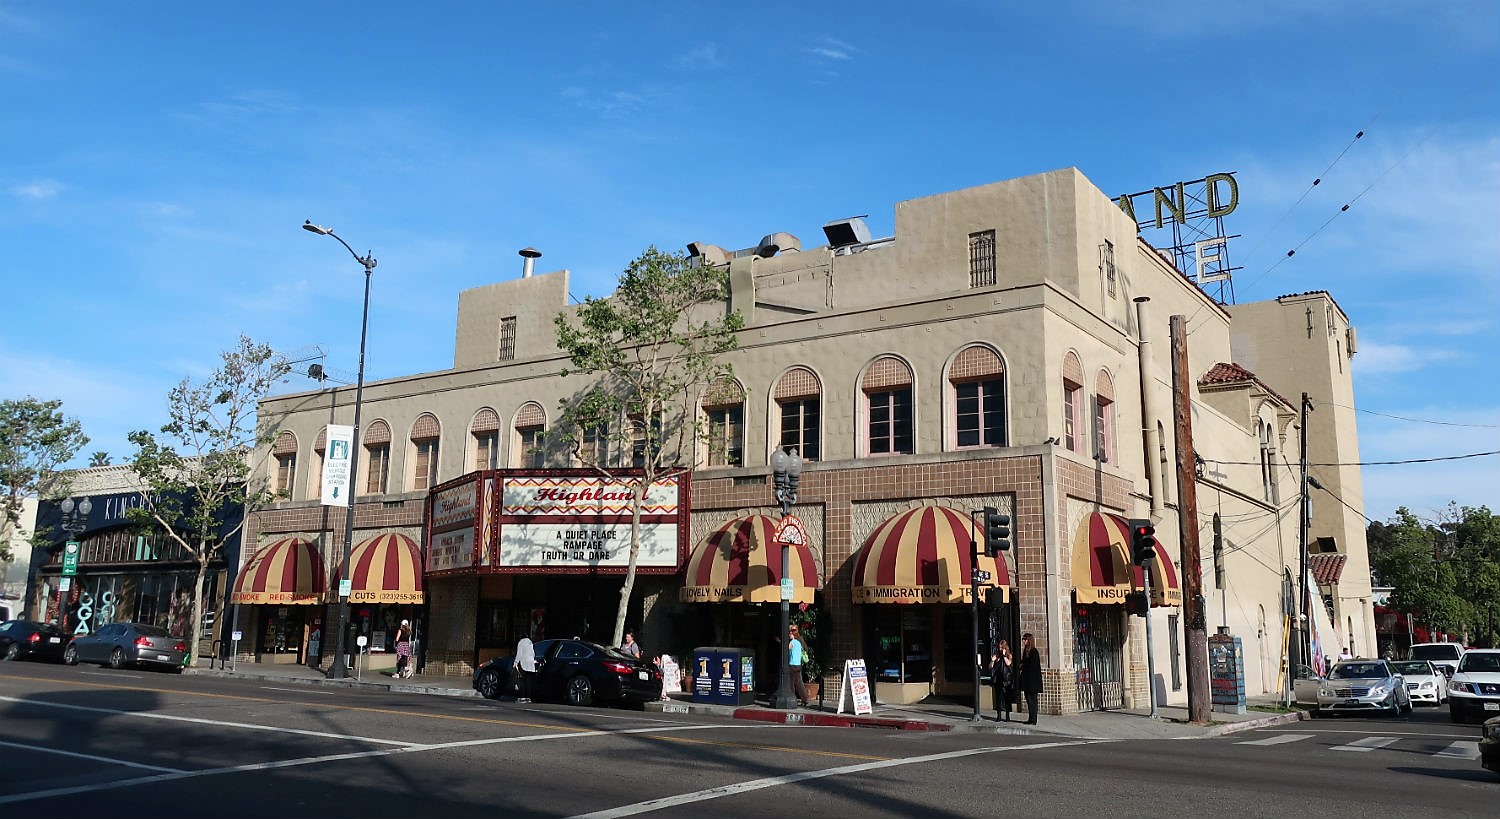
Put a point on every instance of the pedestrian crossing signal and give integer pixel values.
(1136, 603)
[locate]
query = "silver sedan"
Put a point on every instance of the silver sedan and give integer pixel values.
(120, 644)
(1363, 686)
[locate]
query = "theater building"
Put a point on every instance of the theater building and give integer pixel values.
(1007, 347)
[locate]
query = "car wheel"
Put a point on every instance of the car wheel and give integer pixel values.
(1407, 708)
(580, 691)
(117, 658)
(13, 652)
(489, 684)
(70, 655)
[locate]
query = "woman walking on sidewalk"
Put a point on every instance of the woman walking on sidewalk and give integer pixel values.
(403, 650)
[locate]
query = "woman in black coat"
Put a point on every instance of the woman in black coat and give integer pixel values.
(1003, 678)
(1031, 675)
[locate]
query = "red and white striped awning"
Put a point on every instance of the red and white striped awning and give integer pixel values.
(1102, 571)
(740, 562)
(923, 556)
(287, 572)
(386, 569)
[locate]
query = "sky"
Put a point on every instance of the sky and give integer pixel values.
(158, 159)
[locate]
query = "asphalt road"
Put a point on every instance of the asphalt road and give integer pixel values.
(78, 741)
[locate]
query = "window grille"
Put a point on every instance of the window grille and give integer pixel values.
(982, 259)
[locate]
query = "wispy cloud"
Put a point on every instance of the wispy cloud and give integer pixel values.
(831, 49)
(701, 58)
(37, 189)
(1385, 359)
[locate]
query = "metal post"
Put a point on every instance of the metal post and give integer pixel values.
(1150, 655)
(974, 609)
(339, 668)
(785, 469)
(1304, 599)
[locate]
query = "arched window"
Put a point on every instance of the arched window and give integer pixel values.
(484, 431)
(315, 480)
(285, 452)
(799, 405)
(531, 421)
(976, 379)
(886, 390)
(1104, 418)
(724, 411)
(426, 434)
(1072, 384)
(377, 444)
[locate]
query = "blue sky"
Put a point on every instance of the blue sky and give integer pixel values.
(157, 159)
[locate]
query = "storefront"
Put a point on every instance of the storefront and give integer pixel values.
(913, 576)
(734, 577)
(1103, 577)
(280, 595)
(386, 587)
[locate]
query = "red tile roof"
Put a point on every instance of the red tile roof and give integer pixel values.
(1327, 568)
(1226, 373)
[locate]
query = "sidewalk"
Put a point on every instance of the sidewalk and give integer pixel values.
(932, 715)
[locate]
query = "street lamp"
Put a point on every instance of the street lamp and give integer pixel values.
(339, 669)
(75, 519)
(786, 468)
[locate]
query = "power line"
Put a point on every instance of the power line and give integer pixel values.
(1373, 463)
(1414, 420)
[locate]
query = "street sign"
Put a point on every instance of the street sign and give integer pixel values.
(786, 589)
(345, 587)
(981, 576)
(70, 559)
(336, 472)
(65, 584)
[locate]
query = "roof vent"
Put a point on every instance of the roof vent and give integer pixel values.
(774, 243)
(529, 256)
(846, 232)
(711, 254)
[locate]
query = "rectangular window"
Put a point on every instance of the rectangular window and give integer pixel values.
(799, 426)
(1070, 416)
(1107, 263)
(531, 455)
(508, 338)
(594, 446)
(890, 422)
(644, 443)
(286, 474)
(726, 436)
(377, 464)
(487, 449)
(425, 474)
(1101, 430)
(980, 409)
(982, 259)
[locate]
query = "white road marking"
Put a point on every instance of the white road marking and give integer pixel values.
(1278, 740)
(302, 690)
(1460, 750)
(803, 776)
(1424, 734)
(109, 761)
(114, 675)
(1367, 744)
(213, 722)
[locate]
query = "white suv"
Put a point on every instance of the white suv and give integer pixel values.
(1474, 691)
(1443, 655)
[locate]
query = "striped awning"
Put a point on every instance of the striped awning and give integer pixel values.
(1102, 571)
(923, 556)
(740, 562)
(386, 569)
(286, 572)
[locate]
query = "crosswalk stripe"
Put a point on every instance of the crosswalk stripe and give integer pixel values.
(1277, 740)
(1460, 750)
(1367, 744)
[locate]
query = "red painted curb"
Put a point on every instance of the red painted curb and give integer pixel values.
(835, 720)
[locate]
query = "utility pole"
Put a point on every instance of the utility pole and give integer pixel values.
(1304, 513)
(1194, 620)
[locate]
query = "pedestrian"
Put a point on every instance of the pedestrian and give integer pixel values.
(1345, 654)
(1031, 675)
(525, 662)
(794, 666)
(630, 646)
(1003, 678)
(403, 650)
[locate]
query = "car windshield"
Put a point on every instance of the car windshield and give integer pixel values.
(1434, 652)
(1475, 661)
(1360, 671)
(1419, 667)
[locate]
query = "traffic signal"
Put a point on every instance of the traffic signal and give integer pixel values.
(994, 598)
(1142, 541)
(1136, 603)
(996, 531)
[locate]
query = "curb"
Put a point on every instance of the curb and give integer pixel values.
(836, 720)
(398, 688)
(1251, 724)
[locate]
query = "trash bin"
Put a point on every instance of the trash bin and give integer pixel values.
(723, 675)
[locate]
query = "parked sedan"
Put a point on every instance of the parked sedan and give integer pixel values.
(23, 639)
(579, 673)
(1363, 685)
(1424, 681)
(120, 644)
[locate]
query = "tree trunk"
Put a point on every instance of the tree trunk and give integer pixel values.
(637, 497)
(195, 629)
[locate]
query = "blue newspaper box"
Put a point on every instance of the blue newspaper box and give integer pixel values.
(723, 676)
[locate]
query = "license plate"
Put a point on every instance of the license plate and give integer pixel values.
(1492, 706)
(645, 675)
(54, 639)
(1351, 702)
(161, 657)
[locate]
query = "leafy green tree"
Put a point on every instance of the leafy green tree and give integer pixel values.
(650, 349)
(196, 477)
(36, 439)
(1444, 573)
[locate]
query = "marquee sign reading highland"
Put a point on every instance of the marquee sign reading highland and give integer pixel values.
(553, 521)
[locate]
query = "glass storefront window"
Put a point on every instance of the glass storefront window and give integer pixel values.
(898, 643)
